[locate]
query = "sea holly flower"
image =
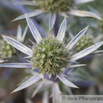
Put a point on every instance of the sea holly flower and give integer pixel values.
(50, 55)
(62, 7)
(6, 49)
(84, 42)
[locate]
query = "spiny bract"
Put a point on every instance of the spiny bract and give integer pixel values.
(84, 42)
(54, 6)
(50, 56)
(6, 49)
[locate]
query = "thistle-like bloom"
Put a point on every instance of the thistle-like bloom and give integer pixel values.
(49, 55)
(84, 42)
(6, 49)
(62, 7)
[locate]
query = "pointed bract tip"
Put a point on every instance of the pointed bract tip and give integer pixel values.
(75, 86)
(3, 36)
(78, 87)
(12, 92)
(66, 16)
(88, 26)
(12, 20)
(100, 18)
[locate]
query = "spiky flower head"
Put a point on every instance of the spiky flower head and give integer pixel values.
(50, 55)
(54, 6)
(47, 50)
(6, 49)
(84, 42)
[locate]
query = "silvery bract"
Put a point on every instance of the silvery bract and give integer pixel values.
(40, 58)
(7, 50)
(62, 7)
(20, 35)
